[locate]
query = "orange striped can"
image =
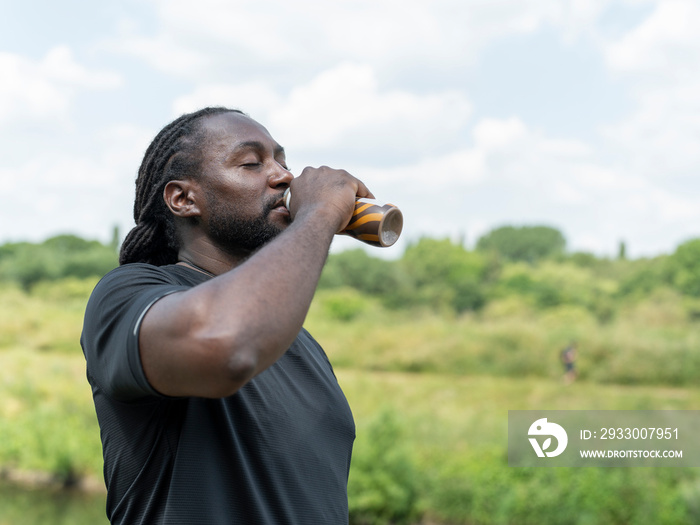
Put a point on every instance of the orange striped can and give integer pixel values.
(373, 222)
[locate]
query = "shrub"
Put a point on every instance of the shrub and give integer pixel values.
(483, 489)
(526, 243)
(383, 479)
(343, 304)
(686, 265)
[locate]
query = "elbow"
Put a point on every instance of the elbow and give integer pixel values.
(230, 358)
(240, 367)
(230, 366)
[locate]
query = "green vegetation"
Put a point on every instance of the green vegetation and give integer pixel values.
(56, 258)
(432, 350)
(527, 243)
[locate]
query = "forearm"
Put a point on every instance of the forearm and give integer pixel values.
(210, 340)
(260, 306)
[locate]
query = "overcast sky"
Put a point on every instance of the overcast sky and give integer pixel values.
(583, 115)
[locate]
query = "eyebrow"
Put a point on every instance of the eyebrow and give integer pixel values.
(255, 145)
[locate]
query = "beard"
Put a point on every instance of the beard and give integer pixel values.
(237, 235)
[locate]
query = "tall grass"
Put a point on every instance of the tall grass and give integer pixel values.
(47, 419)
(455, 429)
(430, 394)
(508, 339)
(49, 318)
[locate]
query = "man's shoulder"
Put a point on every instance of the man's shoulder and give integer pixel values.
(140, 274)
(137, 282)
(136, 269)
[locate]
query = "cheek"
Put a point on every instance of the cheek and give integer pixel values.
(237, 198)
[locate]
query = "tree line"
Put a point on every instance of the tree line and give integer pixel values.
(530, 263)
(56, 258)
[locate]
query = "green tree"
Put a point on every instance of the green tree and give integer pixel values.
(522, 280)
(527, 243)
(115, 243)
(639, 278)
(685, 264)
(383, 484)
(58, 257)
(583, 259)
(446, 274)
(356, 269)
(622, 251)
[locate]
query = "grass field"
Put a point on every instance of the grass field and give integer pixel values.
(453, 429)
(430, 395)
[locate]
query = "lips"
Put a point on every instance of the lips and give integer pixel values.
(279, 204)
(279, 207)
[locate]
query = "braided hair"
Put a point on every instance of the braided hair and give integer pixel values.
(174, 154)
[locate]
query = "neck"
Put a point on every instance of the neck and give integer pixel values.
(186, 262)
(208, 259)
(200, 252)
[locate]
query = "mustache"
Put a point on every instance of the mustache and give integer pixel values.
(275, 201)
(272, 202)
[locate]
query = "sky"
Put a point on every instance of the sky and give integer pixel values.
(582, 115)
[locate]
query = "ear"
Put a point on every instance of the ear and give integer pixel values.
(181, 197)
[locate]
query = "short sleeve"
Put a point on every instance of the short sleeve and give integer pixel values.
(111, 328)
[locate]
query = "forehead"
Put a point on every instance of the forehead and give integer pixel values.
(225, 131)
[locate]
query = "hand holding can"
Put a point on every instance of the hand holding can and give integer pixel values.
(373, 222)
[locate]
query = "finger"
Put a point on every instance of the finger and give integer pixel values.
(363, 191)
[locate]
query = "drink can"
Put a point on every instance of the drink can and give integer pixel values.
(373, 222)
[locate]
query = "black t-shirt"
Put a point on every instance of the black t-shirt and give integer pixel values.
(276, 452)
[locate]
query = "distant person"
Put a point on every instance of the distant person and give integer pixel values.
(568, 359)
(215, 405)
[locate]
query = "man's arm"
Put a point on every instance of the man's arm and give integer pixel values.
(210, 340)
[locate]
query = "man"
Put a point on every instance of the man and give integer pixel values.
(568, 359)
(214, 404)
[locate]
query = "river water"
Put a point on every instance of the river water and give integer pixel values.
(23, 506)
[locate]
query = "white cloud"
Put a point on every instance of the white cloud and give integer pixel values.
(219, 40)
(345, 108)
(493, 134)
(382, 88)
(455, 171)
(255, 98)
(662, 43)
(46, 88)
(518, 155)
(571, 170)
(517, 175)
(505, 135)
(85, 191)
(661, 137)
(565, 192)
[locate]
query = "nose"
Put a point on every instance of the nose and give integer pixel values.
(280, 177)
